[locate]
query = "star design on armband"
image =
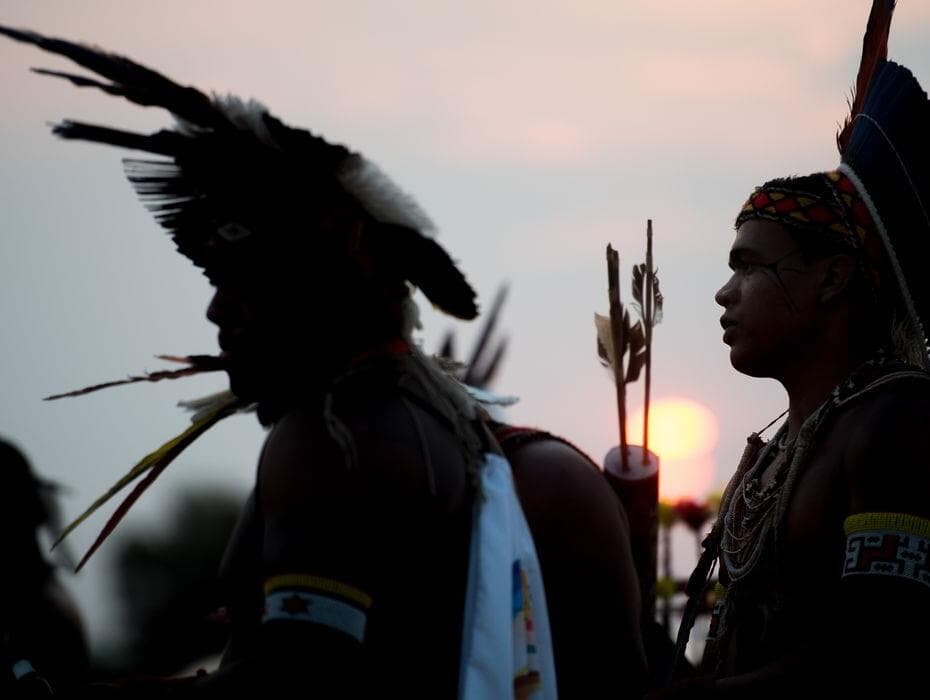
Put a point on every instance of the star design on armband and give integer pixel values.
(294, 605)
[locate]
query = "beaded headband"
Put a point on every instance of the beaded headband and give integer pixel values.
(836, 210)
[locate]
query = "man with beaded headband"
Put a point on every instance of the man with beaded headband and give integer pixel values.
(823, 537)
(383, 551)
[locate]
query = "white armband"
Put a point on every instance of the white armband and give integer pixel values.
(321, 601)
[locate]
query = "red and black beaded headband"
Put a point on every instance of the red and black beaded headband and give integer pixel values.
(838, 210)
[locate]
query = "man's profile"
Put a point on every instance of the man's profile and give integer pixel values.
(383, 518)
(823, 534)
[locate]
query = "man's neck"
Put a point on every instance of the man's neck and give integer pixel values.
(309, 383)
(814, 375)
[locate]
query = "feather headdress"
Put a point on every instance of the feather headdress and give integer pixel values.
(885, 151)
(878, 199)
(231, 177)
(235, 187)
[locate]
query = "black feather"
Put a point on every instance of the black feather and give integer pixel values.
(133, 81)
(486, 373)
(478, 358)
(447, 347)
(425, 264)
(234, 165)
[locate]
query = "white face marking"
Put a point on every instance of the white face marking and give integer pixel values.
(233, 232)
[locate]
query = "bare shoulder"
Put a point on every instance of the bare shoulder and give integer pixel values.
(557, 481)
(556, 466)
(887, 450)
(383, 441)
(299, 458)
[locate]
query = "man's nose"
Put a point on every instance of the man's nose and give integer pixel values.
(726, 295)
(216, 308)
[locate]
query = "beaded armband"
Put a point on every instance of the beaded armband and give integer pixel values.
(888, 544)
(321, 601)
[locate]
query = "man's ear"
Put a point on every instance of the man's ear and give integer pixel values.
(838, 272)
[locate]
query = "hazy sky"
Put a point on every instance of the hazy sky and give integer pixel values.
(534, 133)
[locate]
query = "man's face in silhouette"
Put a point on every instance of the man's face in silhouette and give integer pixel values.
(258, 333)
(769, 301)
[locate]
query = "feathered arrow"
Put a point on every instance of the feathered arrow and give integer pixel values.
(648, 302)
(624, 347)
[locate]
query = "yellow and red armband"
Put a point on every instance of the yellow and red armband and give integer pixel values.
(317, 600)
(888, 544)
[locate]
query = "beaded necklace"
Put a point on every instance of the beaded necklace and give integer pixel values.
(751, 513)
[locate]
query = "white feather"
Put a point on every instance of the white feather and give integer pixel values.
(488, 398)
(203, 405)
(380, 197)
(247, 115)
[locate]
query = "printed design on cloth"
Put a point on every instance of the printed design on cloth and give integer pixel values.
(527, 679)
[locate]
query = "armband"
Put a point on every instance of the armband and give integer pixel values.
(888, 544)
(321, 601)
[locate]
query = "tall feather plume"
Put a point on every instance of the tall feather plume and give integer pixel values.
(874, 53)
(135, 82)
(237, 166)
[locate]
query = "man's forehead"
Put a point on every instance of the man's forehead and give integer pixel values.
(760, 237)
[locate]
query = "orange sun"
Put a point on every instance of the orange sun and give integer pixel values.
(684, 434)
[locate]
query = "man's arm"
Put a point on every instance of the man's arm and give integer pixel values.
(885, 582)
(886, 571)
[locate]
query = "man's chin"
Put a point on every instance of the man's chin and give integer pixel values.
(244, 385)
(751, 366)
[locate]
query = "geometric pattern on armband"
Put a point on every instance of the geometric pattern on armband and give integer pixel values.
(318, 600)
(896, 545)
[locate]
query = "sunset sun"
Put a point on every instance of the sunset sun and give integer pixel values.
(684, 434)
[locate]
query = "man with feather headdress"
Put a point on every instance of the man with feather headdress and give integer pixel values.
(383, 549)
(823, 536)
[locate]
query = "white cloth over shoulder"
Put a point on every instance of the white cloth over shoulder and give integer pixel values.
(506, 642)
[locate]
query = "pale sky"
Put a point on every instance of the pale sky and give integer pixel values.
(533, 133)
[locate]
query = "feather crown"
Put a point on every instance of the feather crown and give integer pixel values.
(233, 184)
(885, 152)
(880, 193)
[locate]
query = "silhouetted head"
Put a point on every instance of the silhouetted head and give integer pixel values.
(807, 252)
(24, 498)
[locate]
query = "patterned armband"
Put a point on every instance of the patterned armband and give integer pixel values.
(321, 601)
(888, 544)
